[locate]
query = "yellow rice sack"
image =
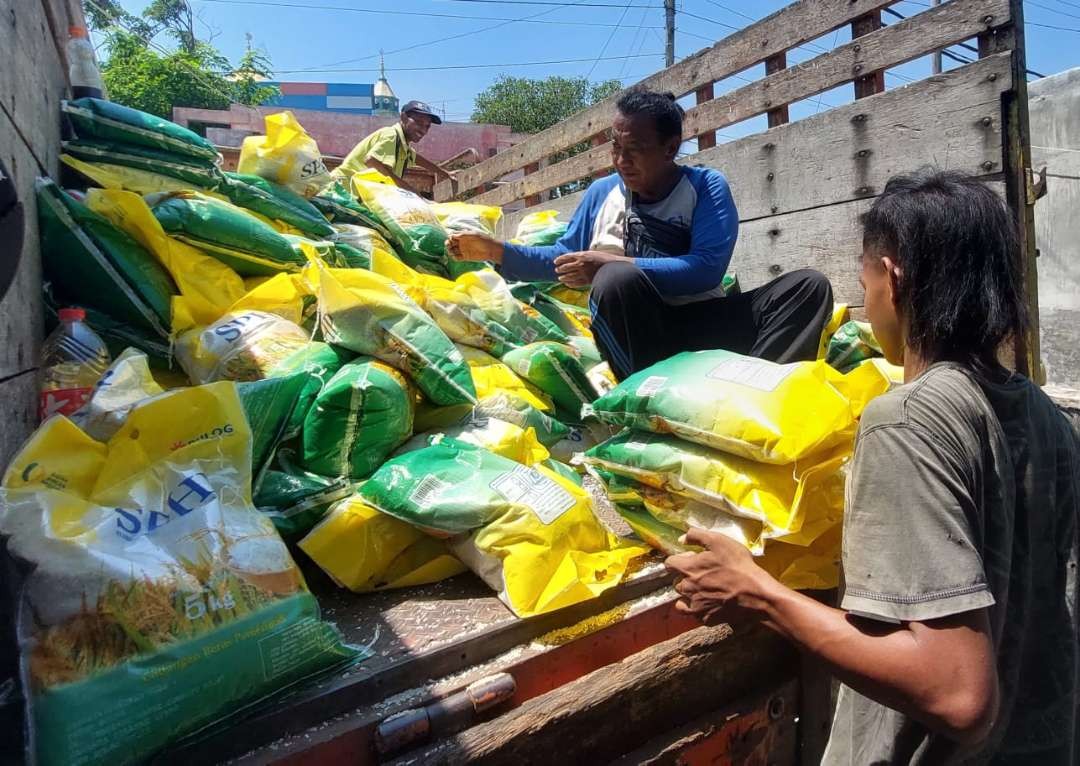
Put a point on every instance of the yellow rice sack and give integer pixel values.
(245, 345)
(365, 550)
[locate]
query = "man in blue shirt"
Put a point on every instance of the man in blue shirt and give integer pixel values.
(654, 243)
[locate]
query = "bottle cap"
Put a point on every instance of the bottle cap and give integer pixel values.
(74, 31)
(72, 315)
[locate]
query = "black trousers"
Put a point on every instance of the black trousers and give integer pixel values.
(634, 328)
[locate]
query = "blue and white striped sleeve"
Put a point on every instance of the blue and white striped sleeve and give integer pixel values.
(712, 239)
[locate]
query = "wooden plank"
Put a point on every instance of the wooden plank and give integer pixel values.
(648, 693)
(793, 25)
(707, 140)
(874, 82)
(888, 46)
(952, 121)
(779, 115)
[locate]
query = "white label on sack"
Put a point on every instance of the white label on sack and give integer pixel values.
(755, 373)
(427, 491)
(651, 385)
(531, 488)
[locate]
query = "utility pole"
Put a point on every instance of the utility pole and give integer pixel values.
(669, 25)
(935, 62)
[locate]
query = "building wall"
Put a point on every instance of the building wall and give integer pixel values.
(1054, 108)
(337, 133)
(341, 97)
(33, 80)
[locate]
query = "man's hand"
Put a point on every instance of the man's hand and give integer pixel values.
(720, 581)
(579, 269)
(474, 247)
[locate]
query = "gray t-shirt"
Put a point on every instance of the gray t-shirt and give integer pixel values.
(964, 494)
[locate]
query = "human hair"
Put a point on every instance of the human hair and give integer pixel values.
(961, 289)
(664, 110)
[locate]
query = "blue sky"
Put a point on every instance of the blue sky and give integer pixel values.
(323, 41)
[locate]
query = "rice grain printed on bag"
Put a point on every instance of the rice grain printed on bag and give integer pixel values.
(243, 345)
(89, 260)
(556, 369)
(529, 533)
(753, 408)
(361, 415)
(781, 496)
(108, 121)
(365, 550)
(420, 238)
(162, 601)
(238, 239)
(286, 155)
(369, 314)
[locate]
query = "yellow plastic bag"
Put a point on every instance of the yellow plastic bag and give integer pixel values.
(463, 217)
(839, 315)
(528, 532)
(506, 439)
(244, 345)
(869, 379)
(127, 382)
(370, 314)
(286, 155)
(207, 287)
(364, 550)
(753, 408)
(790, 500)
(154, 584)
(282, 294)
(493, 377)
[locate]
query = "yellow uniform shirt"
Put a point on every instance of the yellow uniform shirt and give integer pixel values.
(387, 145)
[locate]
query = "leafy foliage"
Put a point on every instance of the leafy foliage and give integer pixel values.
(144, 75)
(529, 106)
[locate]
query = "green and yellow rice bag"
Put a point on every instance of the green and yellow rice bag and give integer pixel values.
(753, 408)
(296, 500)
(789, 500)
(189, 173)
(555, 369)
(318, 362)
(499, 436)
(247, 245)
(370, 314)
(417, 233)
(243, 345)
(540, 228)
(276, 202)
(364, 550)
(852, 344)
(361, 415)
(529, 533)
(492, 377)
(107, 121)
(162, 601)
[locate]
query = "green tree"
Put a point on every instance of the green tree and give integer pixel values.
(144, 75)
(529, 106)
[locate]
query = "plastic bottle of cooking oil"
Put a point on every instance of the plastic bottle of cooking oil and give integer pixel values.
(73, 360)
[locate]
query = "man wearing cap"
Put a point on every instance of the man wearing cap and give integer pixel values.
(389, 151)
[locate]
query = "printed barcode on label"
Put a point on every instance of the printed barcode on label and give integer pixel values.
(755, 373)
(531, 488)
(427, 491)
(651, 385)
(529, 334)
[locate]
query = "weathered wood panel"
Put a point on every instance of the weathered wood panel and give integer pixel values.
(791, 26)
(952, 120)
(32, 82)
(877, 50)
(655, 690)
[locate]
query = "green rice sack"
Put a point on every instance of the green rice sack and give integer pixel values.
(555, 369)
(760, 410)
(87, 259)
(531, 534)
(420, 238)
(852, 345)
(361, 415)
(370, 314)
(200, 176)
(228, 233)
(296, 500)
(268, 405)
(108, 121)
(318, 362)
(339, 206)
(275, 202)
